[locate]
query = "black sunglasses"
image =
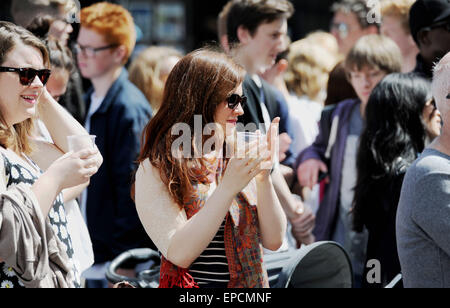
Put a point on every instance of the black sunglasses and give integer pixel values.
(448, 96)
(27, 75)
(235, 99)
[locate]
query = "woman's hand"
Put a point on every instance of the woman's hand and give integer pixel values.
(271, 150)
(74, 169)
(44, 98)
(240, 171)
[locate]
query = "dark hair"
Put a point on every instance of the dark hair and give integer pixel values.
(357, 7)
(196, 86)
(393, 136)
(339, 88)
(250, 14)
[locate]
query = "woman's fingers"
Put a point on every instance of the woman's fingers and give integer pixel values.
(86, 153)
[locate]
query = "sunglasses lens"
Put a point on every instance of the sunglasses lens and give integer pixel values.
(44, 75)
(27, 76)
(233, 101)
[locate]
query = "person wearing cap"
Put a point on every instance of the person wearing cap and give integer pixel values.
(423, 216)
(429, 21)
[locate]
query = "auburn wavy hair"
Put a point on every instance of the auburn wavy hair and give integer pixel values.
(200, 81)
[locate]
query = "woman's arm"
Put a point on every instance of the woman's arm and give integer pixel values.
(58, 121)
(180, 240)
(44, 155)
(70, 170)
(272, 219)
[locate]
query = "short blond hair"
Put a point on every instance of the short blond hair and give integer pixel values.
(146, 69)
(309, 68)
(325, 40)
(398, 9)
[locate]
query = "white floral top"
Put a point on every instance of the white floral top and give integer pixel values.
(17, 172)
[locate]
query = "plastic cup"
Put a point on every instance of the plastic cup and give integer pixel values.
(80, 142)
(247, 144)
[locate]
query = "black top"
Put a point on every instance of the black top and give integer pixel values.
(381, 224)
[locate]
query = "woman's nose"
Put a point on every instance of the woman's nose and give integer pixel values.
(239, 110)
(37, 83)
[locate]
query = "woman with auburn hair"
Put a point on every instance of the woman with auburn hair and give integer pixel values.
(33, 220)
(208, 216)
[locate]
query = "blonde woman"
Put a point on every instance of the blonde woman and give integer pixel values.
(32, 215)
(149, 72)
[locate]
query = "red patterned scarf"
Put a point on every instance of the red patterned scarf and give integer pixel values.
(242, 242)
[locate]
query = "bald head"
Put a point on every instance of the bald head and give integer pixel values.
(441, 86)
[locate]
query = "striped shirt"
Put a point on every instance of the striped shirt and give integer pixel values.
(210, 270)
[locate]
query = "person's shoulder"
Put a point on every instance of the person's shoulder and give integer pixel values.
(348, 103)
(147, 172)
(432, 162)
(132, 96)
(132, 103)
(429, 171)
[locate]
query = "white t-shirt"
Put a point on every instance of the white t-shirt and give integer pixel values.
(97, 271)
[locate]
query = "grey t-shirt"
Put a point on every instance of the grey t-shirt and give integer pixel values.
(423, 222)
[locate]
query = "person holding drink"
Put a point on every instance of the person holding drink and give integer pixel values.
(33, 223)
(209, 216)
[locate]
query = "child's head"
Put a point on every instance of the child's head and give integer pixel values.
(369, 61)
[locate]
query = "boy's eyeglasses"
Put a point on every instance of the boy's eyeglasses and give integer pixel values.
(27, 75)
(91, 51)
(235, 99)
(342, 29)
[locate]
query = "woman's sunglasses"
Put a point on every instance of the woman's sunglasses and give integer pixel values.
(27, 75)
(235, 99)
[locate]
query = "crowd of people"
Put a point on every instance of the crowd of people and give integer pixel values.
(352, 145)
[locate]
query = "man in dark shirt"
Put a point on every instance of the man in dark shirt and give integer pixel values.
(430, 27)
